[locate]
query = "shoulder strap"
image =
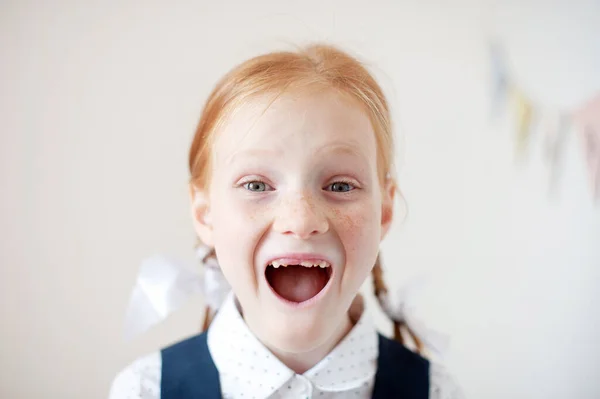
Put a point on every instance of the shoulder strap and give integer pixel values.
(188, 371)
(401, 373)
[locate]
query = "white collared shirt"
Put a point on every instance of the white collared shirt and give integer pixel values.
(348, 370)
(248, 369)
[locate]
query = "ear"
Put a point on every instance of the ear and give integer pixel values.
(201, 215)
(387, 206)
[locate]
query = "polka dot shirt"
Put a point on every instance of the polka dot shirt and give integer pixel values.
(247, 369)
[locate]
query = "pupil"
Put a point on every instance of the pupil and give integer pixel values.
(256, 186)
(340, 187)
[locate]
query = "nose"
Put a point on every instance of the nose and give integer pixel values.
(301, 217)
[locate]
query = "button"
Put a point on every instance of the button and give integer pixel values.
(306, 388)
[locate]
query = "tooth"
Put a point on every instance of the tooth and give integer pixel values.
(305, 263)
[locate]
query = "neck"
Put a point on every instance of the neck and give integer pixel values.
(302, 362)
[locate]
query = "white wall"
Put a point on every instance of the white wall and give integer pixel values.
(98, 106)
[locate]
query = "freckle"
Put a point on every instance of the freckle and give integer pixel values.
(336, 212)
(350, 222)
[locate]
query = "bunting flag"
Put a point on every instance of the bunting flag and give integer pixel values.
(523, 114)
(556, 124)
(500, 79)
(587, 118)
(556, 127)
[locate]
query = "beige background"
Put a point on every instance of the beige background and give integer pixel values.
(98, 103)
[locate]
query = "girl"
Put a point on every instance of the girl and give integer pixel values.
(292, 187)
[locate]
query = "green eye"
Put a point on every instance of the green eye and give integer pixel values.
(341, 187)
(255, 186)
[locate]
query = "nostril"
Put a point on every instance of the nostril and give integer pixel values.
(301, 217)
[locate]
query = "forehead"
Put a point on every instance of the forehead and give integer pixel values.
(299, 123)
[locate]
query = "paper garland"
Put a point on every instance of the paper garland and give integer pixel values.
(556, 123)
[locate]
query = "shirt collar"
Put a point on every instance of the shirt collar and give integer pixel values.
(246, 365)
(355, 356)
(237, 354)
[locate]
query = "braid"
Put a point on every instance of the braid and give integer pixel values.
(208, 316)
(380, 288)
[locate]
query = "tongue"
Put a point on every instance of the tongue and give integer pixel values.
(297, 283)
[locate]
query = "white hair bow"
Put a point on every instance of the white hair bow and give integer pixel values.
(164, 284)
(401, 308)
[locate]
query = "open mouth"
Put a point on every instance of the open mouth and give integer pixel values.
(298, 282)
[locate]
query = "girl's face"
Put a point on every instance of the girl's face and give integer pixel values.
(295, 185)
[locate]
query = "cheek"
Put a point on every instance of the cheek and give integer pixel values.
(237, 228)
(235, 215)
(359, 229)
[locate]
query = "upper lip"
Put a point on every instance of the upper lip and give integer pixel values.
(295, 258)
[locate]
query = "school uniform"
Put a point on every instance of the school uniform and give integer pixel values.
(228, 361)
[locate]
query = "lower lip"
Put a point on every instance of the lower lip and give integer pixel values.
(308, 302)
